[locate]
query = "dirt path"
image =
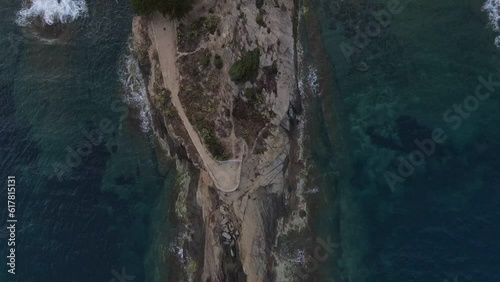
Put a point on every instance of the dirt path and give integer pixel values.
(226, 174)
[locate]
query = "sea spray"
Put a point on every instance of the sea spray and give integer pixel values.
(293, 255)
(52, 11)
(492, 8)
(178, 246)
(312, 80)
(135, 88)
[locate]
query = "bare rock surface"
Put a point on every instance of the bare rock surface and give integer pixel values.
(236, 133)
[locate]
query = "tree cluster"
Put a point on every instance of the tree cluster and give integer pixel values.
(176, 9)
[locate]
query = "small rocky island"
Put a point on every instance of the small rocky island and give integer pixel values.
(224, 97)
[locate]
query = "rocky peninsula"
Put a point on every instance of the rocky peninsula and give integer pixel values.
(223, 89)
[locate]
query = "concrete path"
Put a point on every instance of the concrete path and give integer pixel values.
(225, 174)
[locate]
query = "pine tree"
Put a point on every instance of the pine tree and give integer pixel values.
(176, 9)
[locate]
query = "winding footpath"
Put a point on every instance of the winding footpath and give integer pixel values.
(225, 174)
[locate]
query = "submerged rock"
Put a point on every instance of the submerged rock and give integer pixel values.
(51, 19)
(56, 31)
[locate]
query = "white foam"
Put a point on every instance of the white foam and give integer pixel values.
(52, 11)
(299, 257)
(312, 80)
(492, 8)
(135, 89)
(312, 191)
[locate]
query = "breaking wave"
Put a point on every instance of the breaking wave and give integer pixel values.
(135, 89)
(492, 8)
(52, 11)
(312, 80)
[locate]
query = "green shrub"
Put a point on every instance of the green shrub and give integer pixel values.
(191, 268)
(218, 62)
(205, 59)
(254, 95)
(206, 130)
(213, 144)
(259, 3)
(163, 98)
(211, 23)
(247, 68)
(142, 7)
(177, 9)
(274, 67)
(260, 19)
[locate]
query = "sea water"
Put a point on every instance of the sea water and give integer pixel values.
(418, 75)
(102, 216)
(92, 187)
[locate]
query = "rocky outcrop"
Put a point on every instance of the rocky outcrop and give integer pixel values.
(254, 121)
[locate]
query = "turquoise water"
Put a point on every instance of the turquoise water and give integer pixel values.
(438, 222)
(108, 210)
(80, 218)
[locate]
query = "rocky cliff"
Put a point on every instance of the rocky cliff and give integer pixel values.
(223, 89)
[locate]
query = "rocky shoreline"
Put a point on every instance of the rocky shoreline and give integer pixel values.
(235, 236)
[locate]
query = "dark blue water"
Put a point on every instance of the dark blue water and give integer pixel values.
(440, 222)
(79, 218)
(107, 210)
